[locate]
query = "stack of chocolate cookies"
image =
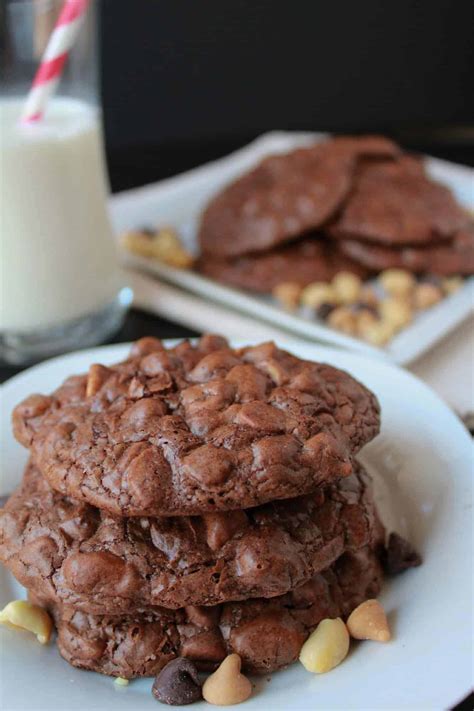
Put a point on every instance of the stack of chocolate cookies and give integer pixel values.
(195, 501)
(397, 217)
(347, 204)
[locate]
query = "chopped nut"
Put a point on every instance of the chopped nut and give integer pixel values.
(317, 293)
(426, 295)
(227, 685)
(326, 647)
(368, 621)
(397, 282)
(288, 294)
(23, 615)
(347, 286)
(167, 247)
(343, 319)
(396, 311)
(452, 284)
(378, 333)
(276, 371)
(138, 243)
(96, 377)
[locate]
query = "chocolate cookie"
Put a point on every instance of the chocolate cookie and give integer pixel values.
(71, 553)
(307, 260)
(197, 428)
(267, 634)
(395, 203)
(447, 259)
(285, 195)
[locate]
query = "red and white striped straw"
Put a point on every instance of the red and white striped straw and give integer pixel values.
(49, 71)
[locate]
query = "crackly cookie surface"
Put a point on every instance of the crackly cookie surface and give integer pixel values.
(76, 555)
(285, 196)
(267, 634)
(197, 428)
(303, 262)
(395, 203)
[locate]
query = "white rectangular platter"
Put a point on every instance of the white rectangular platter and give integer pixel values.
(178, 202)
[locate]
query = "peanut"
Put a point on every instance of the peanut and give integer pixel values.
(452, 284)
(138, 243)
(426, 295)
(167, 247)
(227, 685)
(347, 287)
(397, 282)
(326, 647)
(378, 333)
(317, 293)
(23, 615)
(288, 294)
(365, 319)
(396, 311)
(368, 621)
(120, 681)
(343, 319)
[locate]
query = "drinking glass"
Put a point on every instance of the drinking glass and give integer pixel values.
(60, 283)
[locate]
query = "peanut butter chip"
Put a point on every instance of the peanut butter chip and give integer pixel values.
(227, 686)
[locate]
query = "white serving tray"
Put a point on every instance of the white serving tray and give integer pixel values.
(178, 202)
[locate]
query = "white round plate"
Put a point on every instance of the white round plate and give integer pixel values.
(423, 461)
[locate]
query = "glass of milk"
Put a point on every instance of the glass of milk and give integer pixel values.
(60, 285)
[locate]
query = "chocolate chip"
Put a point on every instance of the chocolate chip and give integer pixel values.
(400, 555)
(430, 279)
(468, 420)
(359, 307)
(4, 499)
(324, 310)
(178, 683)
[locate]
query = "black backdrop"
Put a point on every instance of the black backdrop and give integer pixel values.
(185, 80)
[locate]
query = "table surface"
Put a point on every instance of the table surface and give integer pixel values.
(129, 169)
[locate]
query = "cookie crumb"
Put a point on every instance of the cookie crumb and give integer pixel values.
(121, 681)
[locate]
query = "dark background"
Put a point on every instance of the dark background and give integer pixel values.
(185, 81)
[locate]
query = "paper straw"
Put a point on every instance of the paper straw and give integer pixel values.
(51, 66)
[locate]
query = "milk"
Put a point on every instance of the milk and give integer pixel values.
(57, 255)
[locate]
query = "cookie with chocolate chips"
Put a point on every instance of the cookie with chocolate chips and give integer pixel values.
(396, 204)
(303, 262)
(285, 196)
(267, 634)
(76, 555)
(197, 428)
(446, 259)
